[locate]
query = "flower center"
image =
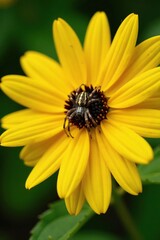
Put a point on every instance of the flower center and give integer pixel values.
(85, 107)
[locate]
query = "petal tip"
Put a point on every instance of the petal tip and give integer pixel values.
(29, 184)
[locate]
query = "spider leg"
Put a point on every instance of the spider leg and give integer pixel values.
(93, 100)
(68, 129)
(64, 126)
(78, 90)
(91, 118)
(82, 85)
(93, 92)
(70, 112)
(69, 115)
(86, 120)
(69, 118)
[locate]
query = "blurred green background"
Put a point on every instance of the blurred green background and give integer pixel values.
(27, 25)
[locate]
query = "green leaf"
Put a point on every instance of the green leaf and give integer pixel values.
(57, 224)
(151, 173)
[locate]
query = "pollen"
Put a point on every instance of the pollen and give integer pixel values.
(86, 107)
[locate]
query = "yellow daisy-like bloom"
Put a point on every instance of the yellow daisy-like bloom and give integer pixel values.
(86, 115)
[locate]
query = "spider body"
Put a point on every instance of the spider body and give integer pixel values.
(84, 108)
(82, 99)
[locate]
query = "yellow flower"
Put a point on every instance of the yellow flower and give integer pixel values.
(88, 114)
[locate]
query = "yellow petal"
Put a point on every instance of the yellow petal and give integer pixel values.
(18, 117)
(74, 164)
(50, 161)
(137, 90)
(126, 142)
(145, 56)
(33, 94)
(31, 153)
(96, 44)
(97, 181)
(151, 103)
(70, 52)
(40, 67)
(120, 51)
(145, 122)
(31, 163)
(124, 171)
(75, 201)
(35, 130)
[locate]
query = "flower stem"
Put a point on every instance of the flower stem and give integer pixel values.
(125, 216)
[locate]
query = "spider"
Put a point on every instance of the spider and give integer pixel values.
(85, 108)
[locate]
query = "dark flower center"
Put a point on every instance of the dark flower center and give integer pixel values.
(85, 107)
